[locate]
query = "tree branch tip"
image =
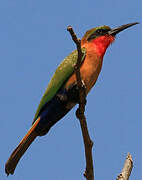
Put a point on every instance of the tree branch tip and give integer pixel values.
(129, 157)
(69, 28)
(127, 168)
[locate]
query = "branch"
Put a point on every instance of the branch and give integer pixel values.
(126, 171)
(88, 144)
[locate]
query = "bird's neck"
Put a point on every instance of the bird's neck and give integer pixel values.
(99, 45)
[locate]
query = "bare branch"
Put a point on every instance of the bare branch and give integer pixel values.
(88, 144)
(126, 171)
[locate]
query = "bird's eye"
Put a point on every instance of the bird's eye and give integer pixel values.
(100, 31)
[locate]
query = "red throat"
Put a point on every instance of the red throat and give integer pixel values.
(101, 44)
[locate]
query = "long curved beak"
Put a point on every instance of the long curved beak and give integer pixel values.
(115, 31)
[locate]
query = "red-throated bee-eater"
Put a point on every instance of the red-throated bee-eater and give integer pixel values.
(62, 94)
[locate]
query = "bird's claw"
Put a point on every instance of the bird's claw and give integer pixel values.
(83, 85)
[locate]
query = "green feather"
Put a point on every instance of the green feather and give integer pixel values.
(61, 75)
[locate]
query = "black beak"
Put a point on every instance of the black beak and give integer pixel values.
(115, 31)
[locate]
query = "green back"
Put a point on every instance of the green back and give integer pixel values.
(62, 73)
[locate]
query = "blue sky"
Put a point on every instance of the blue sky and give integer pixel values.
(33, 41)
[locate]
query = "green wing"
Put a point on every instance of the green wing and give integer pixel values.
(62, 73)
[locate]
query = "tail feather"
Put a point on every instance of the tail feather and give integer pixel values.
(21, 148)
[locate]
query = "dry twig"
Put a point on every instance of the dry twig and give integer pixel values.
(126, 171)
(88, 144)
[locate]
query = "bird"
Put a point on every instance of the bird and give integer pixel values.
(62, 92)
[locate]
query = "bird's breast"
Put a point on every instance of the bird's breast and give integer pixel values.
(89, 70)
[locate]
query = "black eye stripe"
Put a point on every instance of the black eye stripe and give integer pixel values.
(100, 31)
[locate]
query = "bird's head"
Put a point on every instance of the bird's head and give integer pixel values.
(103, 36)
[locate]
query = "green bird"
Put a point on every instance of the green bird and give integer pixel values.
(62, 92)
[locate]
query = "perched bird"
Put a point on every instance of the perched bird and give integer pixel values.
(62, 94)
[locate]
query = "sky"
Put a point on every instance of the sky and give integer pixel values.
(33, 41)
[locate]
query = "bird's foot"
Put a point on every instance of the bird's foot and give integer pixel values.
(84, 92)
